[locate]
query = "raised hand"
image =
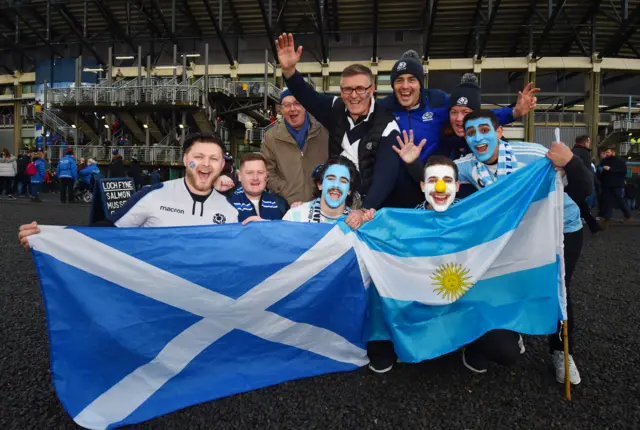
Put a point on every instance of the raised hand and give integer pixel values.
(527, 100)
(559, 154)
(408, 151)
(288, 56)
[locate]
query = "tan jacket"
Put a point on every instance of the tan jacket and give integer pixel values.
(290, 169)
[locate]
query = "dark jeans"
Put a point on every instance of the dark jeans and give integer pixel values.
(609, 195)
(6, 185)
(572, 251)
(66, 190)
(585, 213)
(35, 189)
(499, 346)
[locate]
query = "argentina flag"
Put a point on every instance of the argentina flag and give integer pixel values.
(492, 261)
(143, 322)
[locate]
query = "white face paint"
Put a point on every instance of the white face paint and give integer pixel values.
(440, 187)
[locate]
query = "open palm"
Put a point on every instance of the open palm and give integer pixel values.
(288, 56)
(407, 150)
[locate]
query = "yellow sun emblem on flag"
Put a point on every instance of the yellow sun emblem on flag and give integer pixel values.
(452, 281)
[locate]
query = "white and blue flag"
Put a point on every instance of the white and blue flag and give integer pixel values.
(492, 261)
(143, 322)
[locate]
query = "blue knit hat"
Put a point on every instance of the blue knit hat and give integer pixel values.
(115, 152)
(285, 93)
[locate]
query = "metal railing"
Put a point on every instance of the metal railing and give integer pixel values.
(155, 154)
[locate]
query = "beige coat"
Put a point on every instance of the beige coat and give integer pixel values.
(290, 169)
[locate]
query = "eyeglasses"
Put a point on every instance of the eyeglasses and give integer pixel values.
(358, 90)
(288, 106)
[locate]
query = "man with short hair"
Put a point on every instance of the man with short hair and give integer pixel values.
(191, 200)
(67, 174)
(358, 130)
(492, 159)
(613, 170)
(293, 148)
(427, 111)
(250, 198)
(582, 150)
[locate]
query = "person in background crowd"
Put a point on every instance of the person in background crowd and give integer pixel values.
(359, 129)
(292, 149)
(88, 174)
(428, 112)
(630, 193)
(582, 150)
(117, 168)
(191, 200)
(8, 172)
(36, 171)
(613, 171)
(250, 198)
(135, 172)
(67, 174)
(22, 178)
(156, 178)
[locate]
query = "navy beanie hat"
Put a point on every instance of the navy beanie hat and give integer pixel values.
(467, 94)
(285, 93)
(410, 63)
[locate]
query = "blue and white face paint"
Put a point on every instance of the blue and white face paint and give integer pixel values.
(481, 137)
(335, 185)
(192, 164)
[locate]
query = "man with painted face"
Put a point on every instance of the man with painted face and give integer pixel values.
(250, 198)
(358, 129)
(427, 111)
(492, 159)
(333, 194)
(186, 201)
(440, 184)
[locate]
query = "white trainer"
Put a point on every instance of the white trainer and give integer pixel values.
(558, 363)
(521, 344)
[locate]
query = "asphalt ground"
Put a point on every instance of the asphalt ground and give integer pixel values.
(437, 394)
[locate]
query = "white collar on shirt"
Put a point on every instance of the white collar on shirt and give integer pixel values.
(371, 109)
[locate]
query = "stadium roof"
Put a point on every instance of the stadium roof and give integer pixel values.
(450, 28)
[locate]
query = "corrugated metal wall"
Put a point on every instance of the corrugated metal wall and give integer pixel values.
(544, 135)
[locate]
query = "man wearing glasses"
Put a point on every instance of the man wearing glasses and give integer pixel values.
(358, 130)
(292, 150)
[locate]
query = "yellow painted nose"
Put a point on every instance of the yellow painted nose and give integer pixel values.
(441, 187)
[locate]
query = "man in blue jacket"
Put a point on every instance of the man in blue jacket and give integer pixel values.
(67, 173)
(427, 111)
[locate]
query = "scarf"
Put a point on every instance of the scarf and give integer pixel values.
(269, 208)
(300, 136)
(507, 164)
(314, 211)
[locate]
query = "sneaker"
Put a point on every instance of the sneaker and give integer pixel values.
(11, 197)
(474, 363)
(382, 357)
(379, 369)
(521, 344)
(558, 363)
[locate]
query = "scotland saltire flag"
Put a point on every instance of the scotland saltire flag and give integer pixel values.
(143, 322)
(494, 260)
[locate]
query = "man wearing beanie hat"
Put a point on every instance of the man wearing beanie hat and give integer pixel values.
(425, 111)
(67, 173)
(292, 148)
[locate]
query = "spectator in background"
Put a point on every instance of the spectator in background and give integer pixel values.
(613, 171)
(292, 150)
(36, 171)
(630, 193)
(22, 178)
(8, 173)
(135, 172)
(88, 174)
(155, 177)
(117, 168)
(67, 174)
(250, 198)
(582, 150)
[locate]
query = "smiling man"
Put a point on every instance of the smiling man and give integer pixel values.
(333, 194)
(250, 198)
(493, 159)
(358, 129)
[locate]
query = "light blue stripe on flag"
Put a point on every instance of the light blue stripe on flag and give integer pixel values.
(492, 261)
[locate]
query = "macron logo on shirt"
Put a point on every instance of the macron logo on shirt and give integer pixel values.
(168, 209)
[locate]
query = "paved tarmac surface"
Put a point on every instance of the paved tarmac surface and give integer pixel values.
(436, 394)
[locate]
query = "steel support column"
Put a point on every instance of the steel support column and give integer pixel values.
(73, 24)
(489, 27)
(549, 26)
(320, 24)
(592, 105)
(530, 119)
(376, 7)
(431, 10)
(223, 42)
(270, 36)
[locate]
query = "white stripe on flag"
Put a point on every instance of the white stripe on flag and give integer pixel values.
(222, 314)
(531, 245)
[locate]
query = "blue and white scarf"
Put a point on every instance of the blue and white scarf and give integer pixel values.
(507, 164)
(269, 208)
(314, 211)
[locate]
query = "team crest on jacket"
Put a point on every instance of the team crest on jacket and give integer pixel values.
(428, 116)
(369, 146)
(219, 219)
(462, 101)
